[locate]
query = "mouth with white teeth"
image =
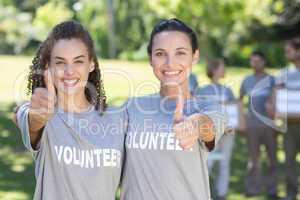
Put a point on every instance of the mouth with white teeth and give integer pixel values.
(172, 73)
(70, 82)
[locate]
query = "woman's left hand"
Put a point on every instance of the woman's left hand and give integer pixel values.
(192, 128)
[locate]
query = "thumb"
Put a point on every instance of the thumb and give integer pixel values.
(49, 83)
(178, 113)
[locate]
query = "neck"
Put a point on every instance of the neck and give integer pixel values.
(173, 92)
(259, 73)
(215, 80)
(76, 103)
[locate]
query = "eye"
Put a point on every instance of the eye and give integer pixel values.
(159, 53)
(79, 61)
(59, 63)
(180, 53)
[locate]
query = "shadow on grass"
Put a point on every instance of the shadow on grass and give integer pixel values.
(239, 170)
(16, 165)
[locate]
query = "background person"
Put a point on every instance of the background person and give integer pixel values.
(257, 132)
(215, 70)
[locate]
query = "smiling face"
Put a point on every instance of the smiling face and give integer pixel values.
(71, 66)
(257, 63)
(291, 53)
(219, 72)
(172, 57)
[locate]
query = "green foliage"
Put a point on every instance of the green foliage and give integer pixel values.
(93, 15)
(226, 28)
(48, 16)
(15, 30)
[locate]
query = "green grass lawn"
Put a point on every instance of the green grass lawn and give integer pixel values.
(122, 79)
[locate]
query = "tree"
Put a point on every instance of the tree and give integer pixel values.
(15, 30)
(47, 16)
(287, 23)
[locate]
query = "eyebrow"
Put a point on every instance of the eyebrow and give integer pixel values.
(61, 58)
(179, 48)
(159, 49)
(81, 56)
(58, 58)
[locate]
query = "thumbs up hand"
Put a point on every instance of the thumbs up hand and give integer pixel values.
(178, 113)
(189, 129)
(43, 101)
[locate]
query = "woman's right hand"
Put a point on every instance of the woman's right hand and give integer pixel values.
(42, 104)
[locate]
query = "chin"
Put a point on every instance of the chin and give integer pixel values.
(71, 90)
(172, 82)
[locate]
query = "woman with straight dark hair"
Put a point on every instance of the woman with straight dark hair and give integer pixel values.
(163, 160)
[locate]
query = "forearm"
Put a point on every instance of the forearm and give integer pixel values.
(36, 126)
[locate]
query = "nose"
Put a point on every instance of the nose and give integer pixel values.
(69, 70)
(169, 62)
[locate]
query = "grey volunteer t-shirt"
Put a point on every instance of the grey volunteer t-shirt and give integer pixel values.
(156, 167)
(219, 92)
(258, 91)
(79, 155)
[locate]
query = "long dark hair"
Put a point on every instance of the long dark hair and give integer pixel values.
(68, 30)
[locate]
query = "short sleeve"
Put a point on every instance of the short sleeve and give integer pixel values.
(193, 83)
(230, 95)
(203, 92)
(272, 81)
(242, 89)
(23, 124)
(125, 116)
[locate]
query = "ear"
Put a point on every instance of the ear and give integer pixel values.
(196, 57)
(92, 66)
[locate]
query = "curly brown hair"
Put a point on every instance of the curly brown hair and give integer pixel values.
(68, 30)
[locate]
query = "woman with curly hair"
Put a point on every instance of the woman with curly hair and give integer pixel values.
(76, 143)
